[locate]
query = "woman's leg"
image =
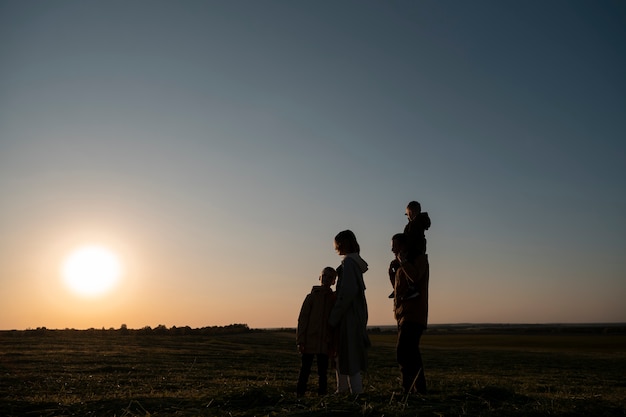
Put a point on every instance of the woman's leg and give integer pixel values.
(356, 383)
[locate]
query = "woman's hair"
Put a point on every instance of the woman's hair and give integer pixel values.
(346, 242)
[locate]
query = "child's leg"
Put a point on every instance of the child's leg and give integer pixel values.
(393, 268)
(322, 373)
(305, 370)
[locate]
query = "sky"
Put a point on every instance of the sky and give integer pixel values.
(215, 148)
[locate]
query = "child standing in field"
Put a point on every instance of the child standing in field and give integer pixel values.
(314, 336)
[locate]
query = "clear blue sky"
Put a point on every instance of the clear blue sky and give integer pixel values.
(217, 147)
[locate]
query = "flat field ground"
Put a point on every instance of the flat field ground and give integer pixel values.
(108, 373)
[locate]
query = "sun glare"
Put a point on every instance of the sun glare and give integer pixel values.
(91, 271)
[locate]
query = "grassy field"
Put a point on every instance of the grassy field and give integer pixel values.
(107, 373)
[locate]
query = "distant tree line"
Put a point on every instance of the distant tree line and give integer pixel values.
(147, 330)
(186, 330)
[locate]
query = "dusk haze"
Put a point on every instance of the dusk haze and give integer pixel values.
(188, 163)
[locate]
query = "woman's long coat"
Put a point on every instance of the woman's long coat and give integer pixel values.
(349, 316)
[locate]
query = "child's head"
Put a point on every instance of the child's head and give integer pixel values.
(413, 209)
(328, 276)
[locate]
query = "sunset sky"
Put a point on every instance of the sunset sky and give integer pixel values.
(215, 148)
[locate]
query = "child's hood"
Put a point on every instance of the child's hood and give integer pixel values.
(320, 288)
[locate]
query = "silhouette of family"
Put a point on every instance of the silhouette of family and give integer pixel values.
(332, 325)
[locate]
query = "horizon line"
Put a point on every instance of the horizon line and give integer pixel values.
(372, 326)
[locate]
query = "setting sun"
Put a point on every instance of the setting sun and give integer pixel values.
(91, 271)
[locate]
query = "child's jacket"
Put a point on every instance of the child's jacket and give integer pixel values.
(313, 331)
